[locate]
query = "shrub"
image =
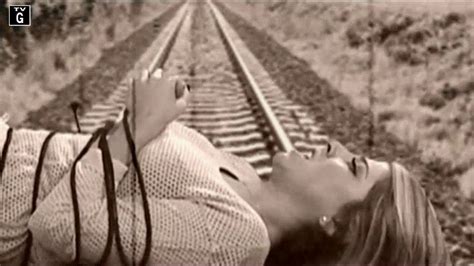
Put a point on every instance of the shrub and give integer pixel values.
(395, 25)
(468, 87)
(449, 92)
(431, 120)
(449, 19)
(110, 32)
(354, 38)
(432, 100)
(59, 63)
(386, 115)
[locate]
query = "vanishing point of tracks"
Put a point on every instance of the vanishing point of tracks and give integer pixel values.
(234, 102)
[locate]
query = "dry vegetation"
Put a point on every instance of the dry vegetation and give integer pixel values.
(423, 81)
(65, 39)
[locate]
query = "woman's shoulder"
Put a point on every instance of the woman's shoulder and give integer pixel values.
(242, 233)
(192, 135)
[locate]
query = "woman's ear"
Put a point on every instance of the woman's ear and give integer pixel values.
(328, 225)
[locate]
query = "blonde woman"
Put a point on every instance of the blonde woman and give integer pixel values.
(209, 207)
(381, 216)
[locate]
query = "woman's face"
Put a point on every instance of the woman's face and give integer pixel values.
(321, 184)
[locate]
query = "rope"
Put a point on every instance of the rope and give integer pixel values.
(133, 181)
(36, 183)
(74, 106)
(111, 199)
(6, 145)
(149, 232)
(75, 204)
(114, 229)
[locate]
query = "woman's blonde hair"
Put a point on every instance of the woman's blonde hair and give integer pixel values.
(394, 225)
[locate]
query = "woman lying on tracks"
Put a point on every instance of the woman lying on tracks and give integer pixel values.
(207, 206)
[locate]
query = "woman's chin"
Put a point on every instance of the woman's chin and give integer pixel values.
(277, 164)
(279, 158)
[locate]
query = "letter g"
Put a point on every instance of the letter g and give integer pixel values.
(19, 17)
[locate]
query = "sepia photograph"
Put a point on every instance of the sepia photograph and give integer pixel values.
(237, 132)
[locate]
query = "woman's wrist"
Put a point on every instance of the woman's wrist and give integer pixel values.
(118, 144)
(145, 132)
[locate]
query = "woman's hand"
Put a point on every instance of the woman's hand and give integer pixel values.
(158, 101)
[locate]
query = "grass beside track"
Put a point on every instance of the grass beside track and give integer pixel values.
(97, 82)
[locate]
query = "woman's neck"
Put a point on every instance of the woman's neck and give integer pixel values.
(259, 197)
(273, 205)
(276, 209)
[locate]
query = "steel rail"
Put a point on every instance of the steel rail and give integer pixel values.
(281, 138)
(162, 54)
(158, 61)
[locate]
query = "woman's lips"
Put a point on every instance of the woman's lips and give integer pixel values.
(279, 155)
(278, 158)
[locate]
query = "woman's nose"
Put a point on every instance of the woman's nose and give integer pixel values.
(318, 152)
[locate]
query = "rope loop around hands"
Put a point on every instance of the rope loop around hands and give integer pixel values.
(75, 203)
(141, 183)
(36, 184)
(109, 177)
(113, 231)
(111, 197)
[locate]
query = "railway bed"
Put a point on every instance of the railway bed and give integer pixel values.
(225, 77)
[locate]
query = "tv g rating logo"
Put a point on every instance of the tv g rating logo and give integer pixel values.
(19, 15)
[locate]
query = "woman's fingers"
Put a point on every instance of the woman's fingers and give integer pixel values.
(156, 91)
(132, 84)
(128, 98)
(158, 74)
(145, 75)
(180, 88)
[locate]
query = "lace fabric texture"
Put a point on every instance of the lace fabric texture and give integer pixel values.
(16, 186)
(197, 218)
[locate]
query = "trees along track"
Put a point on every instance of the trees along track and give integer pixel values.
(234, 102)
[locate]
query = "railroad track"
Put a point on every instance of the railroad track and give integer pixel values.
(234, 102)
(199, 46)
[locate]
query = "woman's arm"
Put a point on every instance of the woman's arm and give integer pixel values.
(22, 158)
(53, 219)
(211, 228)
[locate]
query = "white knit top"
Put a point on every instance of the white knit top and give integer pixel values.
(197, 219)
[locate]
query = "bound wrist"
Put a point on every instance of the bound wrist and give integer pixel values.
(118, 144)
(145, 132)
